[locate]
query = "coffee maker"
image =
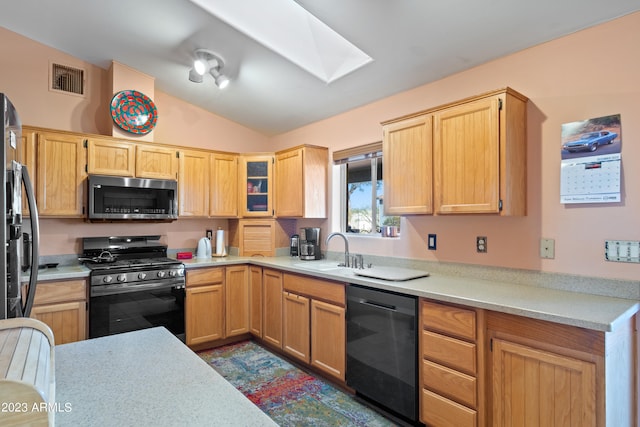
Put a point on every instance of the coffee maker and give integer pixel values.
(310, 243)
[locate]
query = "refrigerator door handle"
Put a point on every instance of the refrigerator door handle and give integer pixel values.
(35, 245)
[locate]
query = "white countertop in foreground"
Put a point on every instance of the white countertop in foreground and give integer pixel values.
(145, 378)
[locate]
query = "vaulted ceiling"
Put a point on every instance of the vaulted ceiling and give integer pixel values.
(411, 43)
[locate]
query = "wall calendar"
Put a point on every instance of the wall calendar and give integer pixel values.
(591, 161)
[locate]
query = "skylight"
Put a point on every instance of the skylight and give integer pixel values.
(288, 29)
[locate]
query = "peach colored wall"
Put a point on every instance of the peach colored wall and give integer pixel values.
(588, 74)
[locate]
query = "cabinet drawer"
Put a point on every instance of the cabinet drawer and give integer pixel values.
(454, 321)
(315, 288)
(449, 351)
(453, 384)
(205, 276)
(52, 292)
(439, 411)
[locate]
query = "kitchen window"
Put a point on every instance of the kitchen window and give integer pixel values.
(362, 190)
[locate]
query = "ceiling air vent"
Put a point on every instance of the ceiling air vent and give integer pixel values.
(67, 79)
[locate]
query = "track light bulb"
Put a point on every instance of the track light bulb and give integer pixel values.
(200, 66)
(222, 81)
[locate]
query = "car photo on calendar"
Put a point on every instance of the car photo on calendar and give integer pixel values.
(593, 137)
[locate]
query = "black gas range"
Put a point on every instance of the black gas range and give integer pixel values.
(133, 285)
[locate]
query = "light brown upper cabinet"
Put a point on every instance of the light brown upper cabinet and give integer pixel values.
(480, 155)
(109, 157)
(223, 188)
(122, 158)
(301, 182)
(406, 164)
(470, 155)
(256, 185)
(61, 172)
(157, 162)
(193, 184)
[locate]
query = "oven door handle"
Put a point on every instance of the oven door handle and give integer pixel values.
(122, 288)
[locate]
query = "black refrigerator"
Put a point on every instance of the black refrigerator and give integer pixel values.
(21, 234)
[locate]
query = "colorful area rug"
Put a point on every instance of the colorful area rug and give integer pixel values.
(287, 394)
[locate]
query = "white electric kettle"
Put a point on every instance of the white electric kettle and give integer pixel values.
(204, 248)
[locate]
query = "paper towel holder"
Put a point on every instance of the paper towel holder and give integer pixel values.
(220, 244)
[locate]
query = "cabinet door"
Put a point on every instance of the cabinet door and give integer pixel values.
(301, 182)
(255, 186)
(62, 305)
(106, 157)
(61, 175)
(156, 162)
(236, 300)
(193, 184)
(255, 301)
(328, 351)
(204, 314)
(272, 307)
(67, 320)
(257, 238)
(466, 158)
(295, 339)
(223, 195)
(289, 184)
(535, 387)
(407, 166)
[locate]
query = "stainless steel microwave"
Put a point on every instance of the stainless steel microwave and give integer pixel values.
(123, 198)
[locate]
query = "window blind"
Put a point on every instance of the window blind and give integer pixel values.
(361, 152)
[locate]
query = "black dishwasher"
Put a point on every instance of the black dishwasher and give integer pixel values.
(382, 348)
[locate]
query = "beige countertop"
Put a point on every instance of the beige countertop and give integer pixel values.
(145, 377)
(602, 313)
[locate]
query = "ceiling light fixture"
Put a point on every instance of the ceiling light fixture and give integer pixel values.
(207, 61)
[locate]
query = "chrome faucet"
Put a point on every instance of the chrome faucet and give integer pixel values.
(346, 246)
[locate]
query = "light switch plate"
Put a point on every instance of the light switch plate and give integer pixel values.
(431, 242)
(547, 248)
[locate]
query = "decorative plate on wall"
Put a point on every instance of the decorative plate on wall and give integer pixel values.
(134, 112)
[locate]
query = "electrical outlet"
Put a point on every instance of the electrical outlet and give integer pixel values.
(431, 242)
(481, 244)
(547, 248)
(209, 234)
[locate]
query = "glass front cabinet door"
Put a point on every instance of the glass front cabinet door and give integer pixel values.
(257, 186)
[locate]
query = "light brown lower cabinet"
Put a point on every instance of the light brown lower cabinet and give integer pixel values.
(545, 373)
(451, 365)
(236, 300)
(296, 331)
(328, 338)
(314, 323)
(255, 301)
(272, 307)
(204, 305)
(62, 305)
(535, 387)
